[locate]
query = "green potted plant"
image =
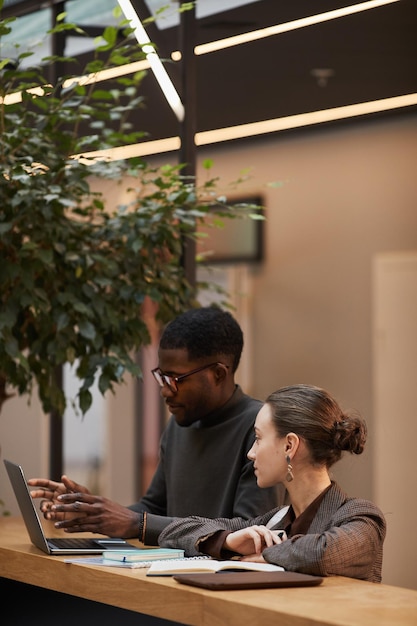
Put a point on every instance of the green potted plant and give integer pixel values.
(74, 273)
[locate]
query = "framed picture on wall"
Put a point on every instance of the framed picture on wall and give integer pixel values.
(239, 240)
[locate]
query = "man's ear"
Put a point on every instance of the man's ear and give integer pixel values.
(220, 372)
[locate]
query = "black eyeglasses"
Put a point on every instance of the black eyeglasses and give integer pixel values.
(172, 381)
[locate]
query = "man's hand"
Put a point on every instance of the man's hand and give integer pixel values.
(49, 491)
(84, 512)
(251, 541)
(73, 508)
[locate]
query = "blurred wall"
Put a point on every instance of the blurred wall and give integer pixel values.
(347, 193)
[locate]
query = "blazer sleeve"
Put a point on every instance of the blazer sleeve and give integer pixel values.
(348, 544)
(188, 532)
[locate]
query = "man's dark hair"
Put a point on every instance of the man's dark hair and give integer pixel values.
(205, 332)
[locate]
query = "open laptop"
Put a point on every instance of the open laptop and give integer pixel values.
(52, 545)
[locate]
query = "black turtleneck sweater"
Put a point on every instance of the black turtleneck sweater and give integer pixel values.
(204, 470)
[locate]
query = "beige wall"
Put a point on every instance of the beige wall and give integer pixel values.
(395, 401)
(349, 193)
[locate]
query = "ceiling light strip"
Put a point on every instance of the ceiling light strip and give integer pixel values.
(277, 29)
(16, 97)
(87, 79)
(303, 119)
(245, 131)
(108, 74)
(158, 69)
(146, 148)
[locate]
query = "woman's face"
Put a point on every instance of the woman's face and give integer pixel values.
(268, 451)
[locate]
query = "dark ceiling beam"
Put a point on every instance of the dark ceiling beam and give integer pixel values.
(188, 125)
(27, 6)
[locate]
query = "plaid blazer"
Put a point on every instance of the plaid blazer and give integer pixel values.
(345, 538)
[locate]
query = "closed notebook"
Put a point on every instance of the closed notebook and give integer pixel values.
(223, 581)
(143, 554)
(179, 566)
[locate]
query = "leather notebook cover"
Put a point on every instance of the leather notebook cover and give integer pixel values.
(248, 580)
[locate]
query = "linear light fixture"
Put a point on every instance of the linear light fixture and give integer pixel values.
(108, 74)
(277, 29)
(245, 131)
(14, 98)
(87, 79)
(303, 119)
(158, 146)
(158, 69)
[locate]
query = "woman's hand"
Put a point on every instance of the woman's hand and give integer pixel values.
(253, 540)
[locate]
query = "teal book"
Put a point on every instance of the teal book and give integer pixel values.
(142, 554)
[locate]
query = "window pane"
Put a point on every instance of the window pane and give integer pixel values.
(28, 31)
(27, 34)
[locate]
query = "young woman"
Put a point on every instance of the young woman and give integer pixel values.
(301, 431)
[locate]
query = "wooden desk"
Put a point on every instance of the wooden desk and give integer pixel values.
(337, 602)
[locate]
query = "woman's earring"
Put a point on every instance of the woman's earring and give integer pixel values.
(290, 476)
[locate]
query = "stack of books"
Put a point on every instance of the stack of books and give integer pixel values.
(141, 557)
(132, 558)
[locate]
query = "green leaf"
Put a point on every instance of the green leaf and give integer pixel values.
(110, 35)
(46, 256)
(7, 318)
(104, 383)
(5, 228)
(86, 329)
(11, 347)
(85, 400)
(207, 164)
(62, 321)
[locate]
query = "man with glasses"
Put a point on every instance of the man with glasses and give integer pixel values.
(203, 468)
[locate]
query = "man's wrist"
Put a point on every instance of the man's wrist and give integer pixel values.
(142, 526)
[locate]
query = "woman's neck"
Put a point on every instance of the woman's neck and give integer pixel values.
(305, 489)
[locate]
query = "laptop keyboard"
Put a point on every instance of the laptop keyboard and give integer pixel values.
(74, 542)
